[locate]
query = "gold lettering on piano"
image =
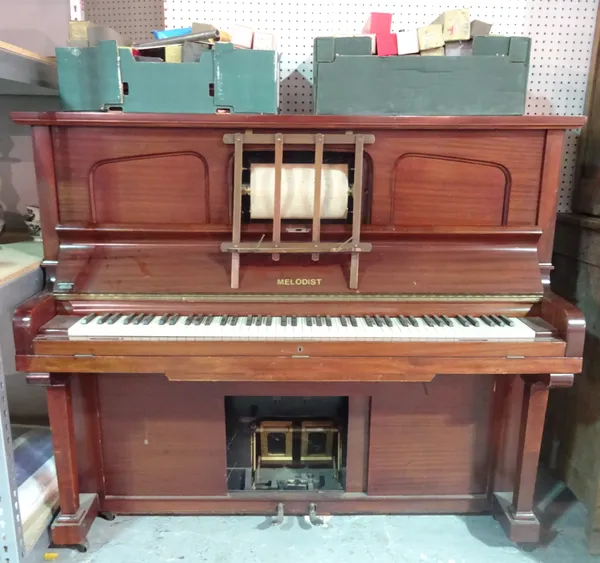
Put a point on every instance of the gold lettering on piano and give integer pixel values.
(299, 281)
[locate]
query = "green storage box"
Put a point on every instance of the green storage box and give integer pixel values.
(348, 80)
(225, 79)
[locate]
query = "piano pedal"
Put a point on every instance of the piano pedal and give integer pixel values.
(277, 520)
(312, 515)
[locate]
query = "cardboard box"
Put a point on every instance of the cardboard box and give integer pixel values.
(78, 30)
(242, 36)
(407, 42)
(459, 49)
(479, 28)
(386, 44)
(437, 52)
(378, 22)
(456, 25)
(263, 41)
(430, 37)
(174, 53)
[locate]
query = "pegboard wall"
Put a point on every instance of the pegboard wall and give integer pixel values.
(562, 33)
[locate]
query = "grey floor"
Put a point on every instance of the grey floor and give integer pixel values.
(348, 539)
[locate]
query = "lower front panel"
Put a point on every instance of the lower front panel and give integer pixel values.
(191, 447)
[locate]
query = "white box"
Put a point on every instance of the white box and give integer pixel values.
(242, 36)
(408, 42)
(263, 41)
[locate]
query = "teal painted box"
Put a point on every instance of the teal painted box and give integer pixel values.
(348, 80)
(225, 79)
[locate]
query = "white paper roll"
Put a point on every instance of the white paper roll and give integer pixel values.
(298, 191)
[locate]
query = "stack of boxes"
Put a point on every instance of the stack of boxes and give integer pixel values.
(450, 34)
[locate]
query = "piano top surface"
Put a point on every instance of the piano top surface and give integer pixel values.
(225, 121)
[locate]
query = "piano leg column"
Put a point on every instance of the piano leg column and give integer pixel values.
(516, 514)
(77, 511)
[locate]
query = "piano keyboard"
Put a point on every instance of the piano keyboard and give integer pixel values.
(269, 328)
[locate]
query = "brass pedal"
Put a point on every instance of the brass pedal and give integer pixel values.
(277, 520)
(312, 515)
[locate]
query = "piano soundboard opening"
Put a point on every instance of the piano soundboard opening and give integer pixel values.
(286, 443)
(337, 181)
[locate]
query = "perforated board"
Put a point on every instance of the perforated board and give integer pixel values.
(562, 32)
(133, 19)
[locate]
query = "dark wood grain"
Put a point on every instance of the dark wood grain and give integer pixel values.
(160, 437)
(248, 368)
(50, 345)
(29, 318)
(46, 189)
(431, 438)
(357, 453)
(221, 121)
(535, 400)
(60, 413)
(265, 504)
(568, 320)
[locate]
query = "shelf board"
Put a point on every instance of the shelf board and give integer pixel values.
(25, 73)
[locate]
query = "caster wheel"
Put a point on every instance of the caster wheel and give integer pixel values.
(82, 547)
(110, 516)
(528, 547)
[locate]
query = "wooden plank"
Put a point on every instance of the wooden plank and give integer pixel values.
(316, 225)
(277, 194)
(359, 413)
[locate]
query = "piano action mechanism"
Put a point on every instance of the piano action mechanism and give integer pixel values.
(210, 344)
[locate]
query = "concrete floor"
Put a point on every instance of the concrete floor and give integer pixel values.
(347, 539)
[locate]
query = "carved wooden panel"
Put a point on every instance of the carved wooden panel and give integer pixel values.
(435, 190)
(155, 166)
(431, 438)
(177, 184)
(161, 437)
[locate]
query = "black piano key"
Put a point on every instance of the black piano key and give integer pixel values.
(497, 320)
(234, 321)
(403, 321)
(104, 318)
(127, 320)
(164, 319)
(283, 320)
(369, 321)
(487, 320)
(249, 320)
(343, 321)
(224, 320)
(328, 321)
(353, 321)
(388, 321)
(198, 320)
(319, 320)
(146, 319)
(269, 320)
(438, 320)
(428, 320)
(309, 321)
(208, 319)
(174, 319)
(413, 321)
(138, 319)
(259, 320)
(472, 320)
(378, 321)
(506, 320)
(190, 319)
(463, 321)
(447, 320)
(88, 318)
(294, 320)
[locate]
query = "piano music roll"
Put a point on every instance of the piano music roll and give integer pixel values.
(298, 191)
